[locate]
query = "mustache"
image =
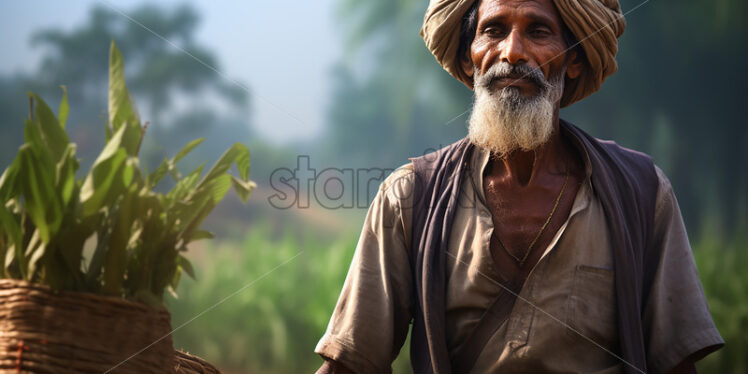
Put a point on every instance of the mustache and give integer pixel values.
(505, 70)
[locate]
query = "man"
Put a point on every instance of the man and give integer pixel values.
(529, 246)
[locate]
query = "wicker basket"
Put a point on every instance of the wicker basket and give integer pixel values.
(42, 331)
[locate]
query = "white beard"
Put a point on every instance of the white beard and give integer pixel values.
(503, 120)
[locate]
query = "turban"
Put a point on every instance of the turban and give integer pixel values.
(597, 24)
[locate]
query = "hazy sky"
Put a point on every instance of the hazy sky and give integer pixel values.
(282, 50)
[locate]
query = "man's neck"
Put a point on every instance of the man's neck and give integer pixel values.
(523, 167)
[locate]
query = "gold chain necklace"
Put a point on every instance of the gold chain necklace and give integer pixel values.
(521, 261)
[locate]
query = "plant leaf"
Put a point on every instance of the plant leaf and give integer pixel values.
(174, 282)
(104, 181)
(174, 172)
(192, 215)
(187, 149)
(185, 265)
(202, 234)
(34, 254)
(53, 135)
(242, 164)
(62, 113)
(122, 112)
(40, 196)
(131, 165)
(9, 181)
(237, 151)
(65, 174)
(32, 134)
(12, 255)
(97, 260)
(185, 186)
(10, 228)
(158, 174)
(243, 188)
(218, 189)
(115, 262)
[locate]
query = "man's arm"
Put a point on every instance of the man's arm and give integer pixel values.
(371, 319)
(332, 367)
(688, 366)
(677, 321)
(685, 367)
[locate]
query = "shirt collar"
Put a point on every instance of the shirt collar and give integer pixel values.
(480, 158)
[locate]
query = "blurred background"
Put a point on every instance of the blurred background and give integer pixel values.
(344, 90)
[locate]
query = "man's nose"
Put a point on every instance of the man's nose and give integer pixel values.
(513, 49)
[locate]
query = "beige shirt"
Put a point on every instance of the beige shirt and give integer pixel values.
(564, 318)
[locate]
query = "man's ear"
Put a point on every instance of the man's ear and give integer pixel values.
(467, 65)
(575, 66)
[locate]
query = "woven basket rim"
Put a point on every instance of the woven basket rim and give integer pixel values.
(10, 283)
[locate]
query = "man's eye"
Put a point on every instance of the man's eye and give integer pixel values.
(493, 31)
(539, 32)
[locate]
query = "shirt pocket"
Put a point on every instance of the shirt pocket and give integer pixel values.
(591, 306)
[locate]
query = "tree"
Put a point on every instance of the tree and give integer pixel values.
(162, 77)
(389, 93)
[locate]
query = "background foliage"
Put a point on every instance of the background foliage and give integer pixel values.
(273, 325)
(677, 96)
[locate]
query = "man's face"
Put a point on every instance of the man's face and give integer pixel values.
(520, 32)
(518, 62)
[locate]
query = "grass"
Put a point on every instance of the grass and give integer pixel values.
(722, 268)
(273, 324)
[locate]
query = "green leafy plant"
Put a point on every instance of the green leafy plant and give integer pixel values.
(47, 215)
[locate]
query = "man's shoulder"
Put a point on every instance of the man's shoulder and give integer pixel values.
(610, 147)
(625, 154)
(637, 166)
(399, 184)
(666, 204)
(619, 164)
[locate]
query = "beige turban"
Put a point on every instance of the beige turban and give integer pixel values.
(597, 24)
